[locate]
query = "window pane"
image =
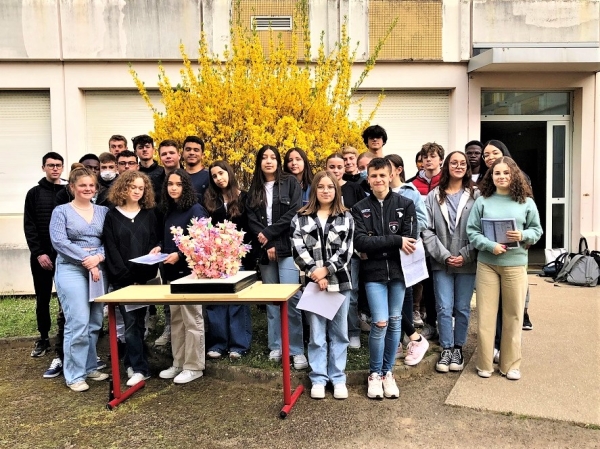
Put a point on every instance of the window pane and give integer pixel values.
(525, 103)
(558, 161)
(558, 226)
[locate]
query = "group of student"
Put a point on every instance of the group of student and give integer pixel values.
(344, 228)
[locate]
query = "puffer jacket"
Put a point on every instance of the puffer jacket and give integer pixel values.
(378, 234)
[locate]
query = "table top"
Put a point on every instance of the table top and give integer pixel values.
(257, 293)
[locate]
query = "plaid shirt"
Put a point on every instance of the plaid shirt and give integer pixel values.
(314, 247)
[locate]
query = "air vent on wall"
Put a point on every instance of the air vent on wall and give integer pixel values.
(278, 23)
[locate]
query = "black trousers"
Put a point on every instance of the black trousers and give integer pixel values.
(42, 284)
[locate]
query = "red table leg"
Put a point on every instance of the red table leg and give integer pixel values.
(289, 398)
(116, 397)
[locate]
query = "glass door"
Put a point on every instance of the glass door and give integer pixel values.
(557, 183)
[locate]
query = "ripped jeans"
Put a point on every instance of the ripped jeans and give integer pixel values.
(385, 301)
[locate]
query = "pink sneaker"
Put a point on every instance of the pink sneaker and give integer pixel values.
(415, 351)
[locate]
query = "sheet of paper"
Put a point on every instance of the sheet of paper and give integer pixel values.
(413, 265)
(322, 303)
(96, 289)
(150, 259)
(495, 230)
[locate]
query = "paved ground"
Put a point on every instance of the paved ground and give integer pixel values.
(561, 361)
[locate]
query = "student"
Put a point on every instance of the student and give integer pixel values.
(473, 150)
(117, 144)
(322, 234)
(130, 231)
(418, 164)
(192, 155)
(143, 145)
(180, 205)
(108, 169)
(362, 163)
(375, 138)
(273, 200)
(504, 194)
(229, 328)
(351, 193)
(452, 257)
(385, 223)
(296, 163)
(76, 235)
(351, 173)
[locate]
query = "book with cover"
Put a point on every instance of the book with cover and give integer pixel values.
(495, 230)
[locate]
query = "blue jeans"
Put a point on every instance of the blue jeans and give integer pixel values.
(353, 323)
(136, 354)
(83, 320)
(385, 301)
(453, 293)
(328, 346)
(228, 328)
(283, 271)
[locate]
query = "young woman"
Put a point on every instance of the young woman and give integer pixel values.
(351, 193)
(296, 163)
(452, 257)
(130, 230)
(76, 235)
(322, 233)
(504, 194)
(273, 200)
(180, 205)
(229, 328)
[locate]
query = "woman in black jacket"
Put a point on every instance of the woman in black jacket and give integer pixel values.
(273, 200)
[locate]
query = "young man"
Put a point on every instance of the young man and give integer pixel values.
(418, 164)
(144, 149)
(385, 224)
(108, 169)
(127, 160)
(40, 201)
(351, 173)
(473, 150)
(116, 144)
(169, 155)
(193, 148)
(375, 138)
(428, 178)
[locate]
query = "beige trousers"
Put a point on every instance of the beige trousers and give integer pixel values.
(187, 337)
(512, 282)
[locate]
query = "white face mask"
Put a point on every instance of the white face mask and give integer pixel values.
(108, 175)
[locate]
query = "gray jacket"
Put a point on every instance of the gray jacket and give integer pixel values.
(437, 239)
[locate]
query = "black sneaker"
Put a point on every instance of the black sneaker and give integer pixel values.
(41, 348)
(56, 368)
(457, 363)
(527, 326)
(443, 364)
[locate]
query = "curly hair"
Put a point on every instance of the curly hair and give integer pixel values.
(518, 187)
(213, 197)
(445, 178)
(432, 148)
(188, 195)
(119, 190)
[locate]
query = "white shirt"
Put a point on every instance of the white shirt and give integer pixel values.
(269, 197)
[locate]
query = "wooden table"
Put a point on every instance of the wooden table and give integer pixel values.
(257, 293)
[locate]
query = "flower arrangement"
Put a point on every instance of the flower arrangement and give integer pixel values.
(211, 251)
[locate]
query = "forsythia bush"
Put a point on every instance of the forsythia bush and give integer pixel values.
(246, 99)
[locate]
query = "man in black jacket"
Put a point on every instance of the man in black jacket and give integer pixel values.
(144, 149)
(385, 224)
(39, 204)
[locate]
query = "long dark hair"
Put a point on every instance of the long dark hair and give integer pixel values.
(307, 174)
(256, 193)
(445, 178)
(396, 161)
(188, 194)
(519, 188)
(214, 195)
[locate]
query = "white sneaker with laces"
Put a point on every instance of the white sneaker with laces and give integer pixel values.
(213, 355)
(390, 389)
(136, 379)
(354, 342)
(275, 355)
(97, 375)
(513, 374)
(317, 391)
(416, 351)
(187, 375)
(170, 373)
(79, 386)
(374, 387)
(164, 338)
(340, 391)
(300, 361)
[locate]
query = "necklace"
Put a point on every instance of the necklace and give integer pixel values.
(81, 208)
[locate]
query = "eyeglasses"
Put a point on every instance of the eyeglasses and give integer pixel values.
(130, 163)
(456, 164)
(53, 166)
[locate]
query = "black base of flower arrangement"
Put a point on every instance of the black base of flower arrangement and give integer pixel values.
(233, 284)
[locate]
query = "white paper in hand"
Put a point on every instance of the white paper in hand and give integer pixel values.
(322, 303)
(413, 265)
(96, 288)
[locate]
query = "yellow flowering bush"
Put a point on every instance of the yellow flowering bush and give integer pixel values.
(247, 99)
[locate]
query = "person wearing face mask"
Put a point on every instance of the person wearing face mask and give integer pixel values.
(108, 169)
(362, 162)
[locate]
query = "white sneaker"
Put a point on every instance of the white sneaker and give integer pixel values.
(513, 374)
(234, 355)
(275, 355)
(354, 342)
(484, 374)
(130, 372)
(374, 387)
(187, 375)
(496, 355)
(165, 337)
(136, 379)
(300, 361)
(340, 391)
(97, 375)
(170, 373)
(390, 389)
(79, 386)
(415, 351)
(317, 391)
(213, 355)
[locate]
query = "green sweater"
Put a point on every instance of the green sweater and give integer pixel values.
(502, 206)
